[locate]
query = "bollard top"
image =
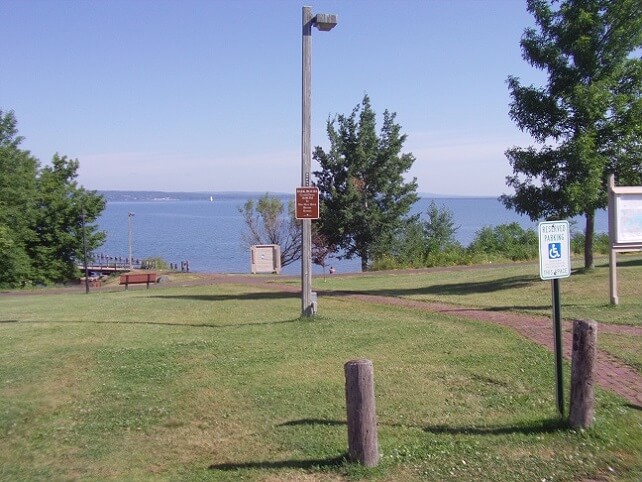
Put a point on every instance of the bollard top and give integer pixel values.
(359, 361)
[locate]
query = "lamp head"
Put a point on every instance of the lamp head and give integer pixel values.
(324, 21)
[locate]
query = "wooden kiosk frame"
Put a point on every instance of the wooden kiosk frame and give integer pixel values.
(625, 227)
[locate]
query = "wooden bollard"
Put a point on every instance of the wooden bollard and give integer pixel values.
(583, 374)
(363, 444)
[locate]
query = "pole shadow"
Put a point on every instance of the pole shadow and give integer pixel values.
(310, 464)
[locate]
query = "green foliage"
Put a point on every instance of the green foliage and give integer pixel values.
(601, 243)
(420, 243)
(364, 198)
(587, 120)
(267, 222)
(41, 214)
(508, 241)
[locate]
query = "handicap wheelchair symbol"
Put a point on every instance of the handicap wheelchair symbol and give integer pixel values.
(554, 250)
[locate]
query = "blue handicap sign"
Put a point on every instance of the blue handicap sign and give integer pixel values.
(554, 250)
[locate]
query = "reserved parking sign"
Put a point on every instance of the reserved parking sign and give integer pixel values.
(554, 249)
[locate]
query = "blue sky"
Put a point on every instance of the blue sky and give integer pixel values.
(198, 95)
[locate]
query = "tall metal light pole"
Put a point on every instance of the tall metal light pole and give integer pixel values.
(323, 22)
(84, 246)
(129, 237)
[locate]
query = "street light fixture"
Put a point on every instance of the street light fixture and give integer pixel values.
(323, 22)
(84, 246)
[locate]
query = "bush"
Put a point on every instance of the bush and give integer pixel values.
(420, 244)
(507, 241)
(601, 243)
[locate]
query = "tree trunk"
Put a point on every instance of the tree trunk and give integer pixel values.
(588, 240)
(364, 264)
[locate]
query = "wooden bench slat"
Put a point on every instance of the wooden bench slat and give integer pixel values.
(137, 278)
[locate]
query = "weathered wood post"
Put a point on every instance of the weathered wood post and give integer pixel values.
(583, 373)
(363, 444)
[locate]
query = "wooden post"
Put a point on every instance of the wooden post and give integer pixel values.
(363, 444)
(583, 373)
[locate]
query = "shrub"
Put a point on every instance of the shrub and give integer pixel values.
(601, 243)
(421, 243)
(509, 241)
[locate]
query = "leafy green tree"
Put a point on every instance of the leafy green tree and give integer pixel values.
(364, 197)
(440, 229)
(41, 214)
(267, 223)
(430, 242)
(18, 171)
(59, 223)
(587, 120)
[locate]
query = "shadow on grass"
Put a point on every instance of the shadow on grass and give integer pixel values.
(621, 263)
(312, 464)
(490, 286)
(534, 428)
(543, 426)
(166, 323)
(519, 308)
(263, 295)
(312, 421)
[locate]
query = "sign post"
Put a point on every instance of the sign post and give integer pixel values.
(555, 263)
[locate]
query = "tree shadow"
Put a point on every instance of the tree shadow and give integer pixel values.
(626, 263)
(543, 426)
(451, 289)
(263, 295)
(165, 323)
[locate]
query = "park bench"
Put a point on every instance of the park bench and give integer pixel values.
(137, 278)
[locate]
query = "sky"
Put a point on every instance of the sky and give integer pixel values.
(205, 95)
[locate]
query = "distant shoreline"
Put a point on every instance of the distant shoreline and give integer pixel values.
(165, 196)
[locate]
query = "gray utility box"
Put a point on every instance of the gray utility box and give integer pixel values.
(266, 258)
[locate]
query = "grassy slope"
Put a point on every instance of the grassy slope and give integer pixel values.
(514, 287)
(225, 383)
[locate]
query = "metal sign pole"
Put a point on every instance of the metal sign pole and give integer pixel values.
(555, 263)
(557, 326)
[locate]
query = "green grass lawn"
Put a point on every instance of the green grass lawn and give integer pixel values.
(516, 287)
(227, 383)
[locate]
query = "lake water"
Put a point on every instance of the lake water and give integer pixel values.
(208, 234)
